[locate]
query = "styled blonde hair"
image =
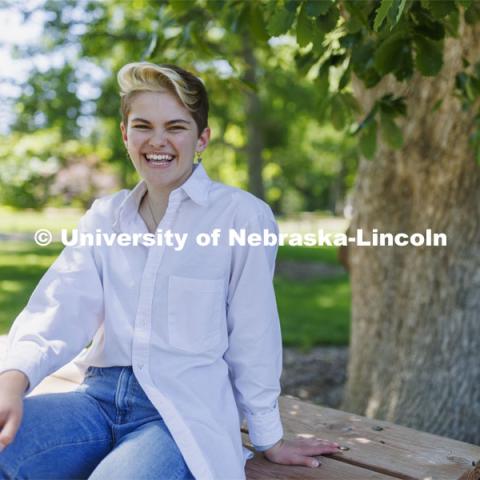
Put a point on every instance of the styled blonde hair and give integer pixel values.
(149, 77)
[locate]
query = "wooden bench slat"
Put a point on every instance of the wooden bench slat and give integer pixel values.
(259, 468)
(402, 452)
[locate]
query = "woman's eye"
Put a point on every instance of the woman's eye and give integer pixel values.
(140, 126)
(177, 128)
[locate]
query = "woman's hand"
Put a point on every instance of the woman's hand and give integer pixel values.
(13, 384)
(300, 451)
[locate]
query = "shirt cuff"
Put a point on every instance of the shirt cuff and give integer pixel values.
(265, 428)
(26, 360)
(262, 448)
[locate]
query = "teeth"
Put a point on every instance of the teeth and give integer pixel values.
(159, 158)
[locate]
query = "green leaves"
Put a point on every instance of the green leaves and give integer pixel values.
(416, 39)
(341, 107)
(440, 8)
(420, 31)
(305, 28)
(376, 38)
(180, 7)
(467, 86)
(472, 13)
(368, 139)
(338, 112)
(328, 21)
(363, 64)
(305, 61)
(315, 19)
(391, 133)
(314, 8)
(280, 22)
(394, 55)
(386, 55)
(382, 12)
(391, 10)
(257, 23)
(474, 138)
(391, 105)
(428, 55)
(425, 25)
(383, 114)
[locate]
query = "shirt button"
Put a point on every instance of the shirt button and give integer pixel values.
(140, 366)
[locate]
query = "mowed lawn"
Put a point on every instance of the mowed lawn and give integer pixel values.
(315, 311)
(312, 312)
(22, 264)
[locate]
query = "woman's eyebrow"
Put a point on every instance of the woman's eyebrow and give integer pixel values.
(177, 120)
(138, 119)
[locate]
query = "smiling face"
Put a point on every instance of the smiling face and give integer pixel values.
(161, 138)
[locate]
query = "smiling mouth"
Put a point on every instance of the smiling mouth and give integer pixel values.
(155, 159)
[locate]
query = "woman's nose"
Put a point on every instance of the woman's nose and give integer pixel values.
(158, 137)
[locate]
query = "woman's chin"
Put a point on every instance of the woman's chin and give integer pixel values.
(163, 182)
(166, 178)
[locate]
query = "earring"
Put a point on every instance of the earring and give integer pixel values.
(199, 157)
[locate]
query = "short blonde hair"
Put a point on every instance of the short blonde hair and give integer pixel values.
(150, 77)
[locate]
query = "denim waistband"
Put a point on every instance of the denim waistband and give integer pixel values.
(113, 372)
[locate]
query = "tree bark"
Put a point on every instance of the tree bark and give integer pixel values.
(253, 107)
(416, 310)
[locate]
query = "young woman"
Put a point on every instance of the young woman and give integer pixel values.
(185, 337)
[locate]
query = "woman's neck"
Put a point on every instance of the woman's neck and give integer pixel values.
(152, 208)
(158, 200)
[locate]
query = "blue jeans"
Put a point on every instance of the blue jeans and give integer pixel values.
(107, 428)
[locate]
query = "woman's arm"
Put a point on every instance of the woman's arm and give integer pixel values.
(12, 388)
(62, 314)
(16, 381)
(254, 355)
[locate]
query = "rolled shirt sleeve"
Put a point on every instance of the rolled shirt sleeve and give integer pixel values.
(254, 355)
(62, 315)
(262, 448)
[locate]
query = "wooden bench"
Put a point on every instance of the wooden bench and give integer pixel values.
(376, 449)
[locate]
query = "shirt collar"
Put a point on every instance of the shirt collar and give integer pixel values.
(196, 187)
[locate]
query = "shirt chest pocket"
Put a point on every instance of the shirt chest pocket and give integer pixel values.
(196, 313)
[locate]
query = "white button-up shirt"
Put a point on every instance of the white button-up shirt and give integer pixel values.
(199, 325)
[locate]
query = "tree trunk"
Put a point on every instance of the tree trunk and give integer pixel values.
(416, 310)
(254, 147)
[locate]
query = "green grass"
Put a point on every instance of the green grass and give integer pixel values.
(21, 266)
(28, 220)
(313, 312)
(325, 254)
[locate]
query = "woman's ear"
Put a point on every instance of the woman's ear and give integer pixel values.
(203, 139)
(123, 129)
